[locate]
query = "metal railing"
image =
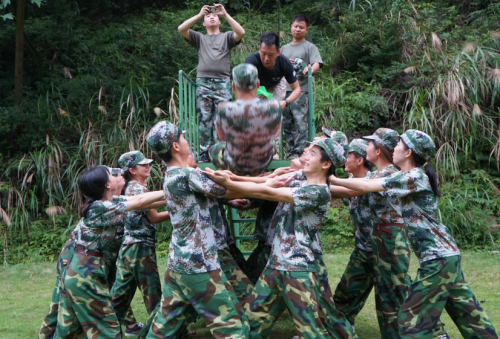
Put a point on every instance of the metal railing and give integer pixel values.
(189, 121)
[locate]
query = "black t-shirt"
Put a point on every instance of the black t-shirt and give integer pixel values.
(269, 78)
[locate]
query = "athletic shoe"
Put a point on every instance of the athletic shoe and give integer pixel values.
(136, 330)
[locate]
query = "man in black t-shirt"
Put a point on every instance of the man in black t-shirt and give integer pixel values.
(275, 70)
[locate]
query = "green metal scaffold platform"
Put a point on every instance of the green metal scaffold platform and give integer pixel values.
(189, 122)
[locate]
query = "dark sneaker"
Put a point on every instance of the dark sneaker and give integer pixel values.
(204, 157)
(443, 335)
(136, 330)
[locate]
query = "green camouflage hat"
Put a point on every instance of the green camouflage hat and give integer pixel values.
(115, 171)
(334, 150)
(386, 137)
(420, 143)
(131, 159)
(161, 137)
(245, 76)
(298, 66)
(358, 146)
(339, 137)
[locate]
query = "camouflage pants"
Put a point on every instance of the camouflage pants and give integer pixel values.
(276, 291)
(209, 93)
(218, 157)
(440, 284)
(356, 284)
(295, 126)
(334, 321)
(210, 295)
(88, 293)
(136, 267)
(49, 324)
(241, 284)
(391, 253)
(257, 261)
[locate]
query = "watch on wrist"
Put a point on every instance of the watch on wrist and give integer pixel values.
(287, 103)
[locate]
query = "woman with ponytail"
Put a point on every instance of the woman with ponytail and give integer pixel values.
(440, 282)
(136, 264)
(86, 279)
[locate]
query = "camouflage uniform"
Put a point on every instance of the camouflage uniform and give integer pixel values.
(87, 275)
(209, 94)
(137, 266)
(295, 126)
(359, 276)
(246, 128)
(49, 324)
(193, 278)
(440, 282)
(290, 278)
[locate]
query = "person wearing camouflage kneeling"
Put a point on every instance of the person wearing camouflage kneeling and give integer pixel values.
(290, 278)
(246, 127)
(440, 282)
(193, 278)
(86, 277)
(136, 263)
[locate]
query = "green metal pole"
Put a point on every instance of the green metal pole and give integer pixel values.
(181, 106)
(310, 119)
(234, 215)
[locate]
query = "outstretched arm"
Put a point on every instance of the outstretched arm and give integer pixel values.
(186, 25)
(358, 184)
(140, 201)
(342, 192)
(250, 189)
(155, 217)
(239, 32)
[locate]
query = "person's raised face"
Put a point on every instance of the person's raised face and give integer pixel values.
(268, 55)
(211, 20)
(115, 183)
(183, 147)
(295, 164)
(352, 163)
(141, 171)
(299, 29)
(371, 153)
(313, 163)
(400, 155)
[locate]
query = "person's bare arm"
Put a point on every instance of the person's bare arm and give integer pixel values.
(342, 192)
(186, 25)
(158, 204)
(250, 189)
(293, 96)
(138, 202)
(361, 185)
(239, 32)
(315, 67)
(155, 217)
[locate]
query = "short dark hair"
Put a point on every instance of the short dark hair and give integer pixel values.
(325, 157)
(301, 17)
(168, 156)
(367, 164)
(270, 39)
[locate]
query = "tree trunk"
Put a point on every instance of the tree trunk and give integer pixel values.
(18, 81)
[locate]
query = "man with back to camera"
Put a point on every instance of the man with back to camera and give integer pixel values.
(295, 116)
(214, 57)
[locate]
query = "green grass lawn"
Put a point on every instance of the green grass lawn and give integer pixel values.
(25, 292)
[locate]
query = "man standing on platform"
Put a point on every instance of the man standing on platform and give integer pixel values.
(295, 116)
(214, 57)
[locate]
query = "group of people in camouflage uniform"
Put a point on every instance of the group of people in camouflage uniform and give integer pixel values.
(392, 196)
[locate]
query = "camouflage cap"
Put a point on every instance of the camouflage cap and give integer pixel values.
(245, 76)
(131, 159)
(161, 137)
(298, 66)
(420, 143)
(115, 171)
(358, 146)
(339, 137)
(334, 150)
(386, 137)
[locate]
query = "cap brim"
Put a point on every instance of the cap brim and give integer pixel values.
(145, 162)
(370, 137)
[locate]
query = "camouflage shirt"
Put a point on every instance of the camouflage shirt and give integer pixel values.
(297, 239)
(418, 205)
(359, 207)
(138, 228)
(98, 230)
(380, 207)
(248, 128)
(193, 248)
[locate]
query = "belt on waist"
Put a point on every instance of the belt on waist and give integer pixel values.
(384, 227)
(87, 252)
